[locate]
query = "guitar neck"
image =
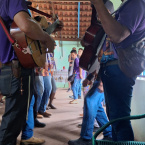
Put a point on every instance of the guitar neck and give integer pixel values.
(52, 27)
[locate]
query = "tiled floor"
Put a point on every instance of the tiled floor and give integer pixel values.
(62, 125)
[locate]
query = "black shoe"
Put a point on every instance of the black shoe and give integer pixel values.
(79, 125)
(79, 97)
(39, 124)
(69, 89)
(107, 138)
(80, 141)
(51, 106)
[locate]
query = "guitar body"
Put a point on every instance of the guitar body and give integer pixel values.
(88, 58)
(27, 50)
(90, 34)
(92, 39)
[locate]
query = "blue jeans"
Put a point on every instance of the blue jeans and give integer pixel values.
(93, 109)
(118, 93)
(43, 89)
(80, 89)
(27, 131)
(75, 87)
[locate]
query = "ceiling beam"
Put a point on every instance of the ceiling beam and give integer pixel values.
(59, 3)
(62, 1)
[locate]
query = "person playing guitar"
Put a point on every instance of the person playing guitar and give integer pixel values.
(17, 101)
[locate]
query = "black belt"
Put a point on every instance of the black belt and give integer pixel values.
(113, 62)
(7, 64)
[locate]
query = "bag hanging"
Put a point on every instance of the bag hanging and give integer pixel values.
(131, 60)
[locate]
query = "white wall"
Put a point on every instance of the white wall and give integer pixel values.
(138, 107)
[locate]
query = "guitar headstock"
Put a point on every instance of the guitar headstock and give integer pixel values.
(55, 17)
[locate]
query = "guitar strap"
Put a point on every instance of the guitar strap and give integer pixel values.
(11, 39)
(38, 11)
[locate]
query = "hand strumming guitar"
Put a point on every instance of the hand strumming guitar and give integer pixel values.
(48, 43)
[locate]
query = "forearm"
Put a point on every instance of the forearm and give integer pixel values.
(35, 32)
(29, 26)
(80, 70)
(116, 32)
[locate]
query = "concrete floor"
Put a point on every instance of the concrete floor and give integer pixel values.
(62, 125)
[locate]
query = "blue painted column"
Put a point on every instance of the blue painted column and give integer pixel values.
(78, 19)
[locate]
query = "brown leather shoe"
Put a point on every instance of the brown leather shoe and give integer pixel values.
(32, 141)
(74, 102)
(39, 115)
(46, 114)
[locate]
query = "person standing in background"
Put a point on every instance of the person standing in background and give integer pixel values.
(70, 69)
(17, 101)
(43, 89)
(80, 52)
(78, 77)
(123, 32)
(52, 63)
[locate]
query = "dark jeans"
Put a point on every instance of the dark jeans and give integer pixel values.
(16, 107)
(118, 93)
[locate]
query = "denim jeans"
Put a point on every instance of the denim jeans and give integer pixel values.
(43, 89)
(118, 93)
(16, 107)
(75, 87)
(27, 131)
(93, 109)
(80, 89)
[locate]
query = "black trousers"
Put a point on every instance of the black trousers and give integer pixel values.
(16, 108)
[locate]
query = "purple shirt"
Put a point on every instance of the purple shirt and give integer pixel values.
(133, 17)
(76, 68)
(83, 74)
(8, 9)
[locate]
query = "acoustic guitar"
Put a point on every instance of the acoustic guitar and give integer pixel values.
(29, 52)
(93, 40)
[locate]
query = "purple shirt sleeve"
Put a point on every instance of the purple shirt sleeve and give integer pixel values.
(15, 6)
(132, 15)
